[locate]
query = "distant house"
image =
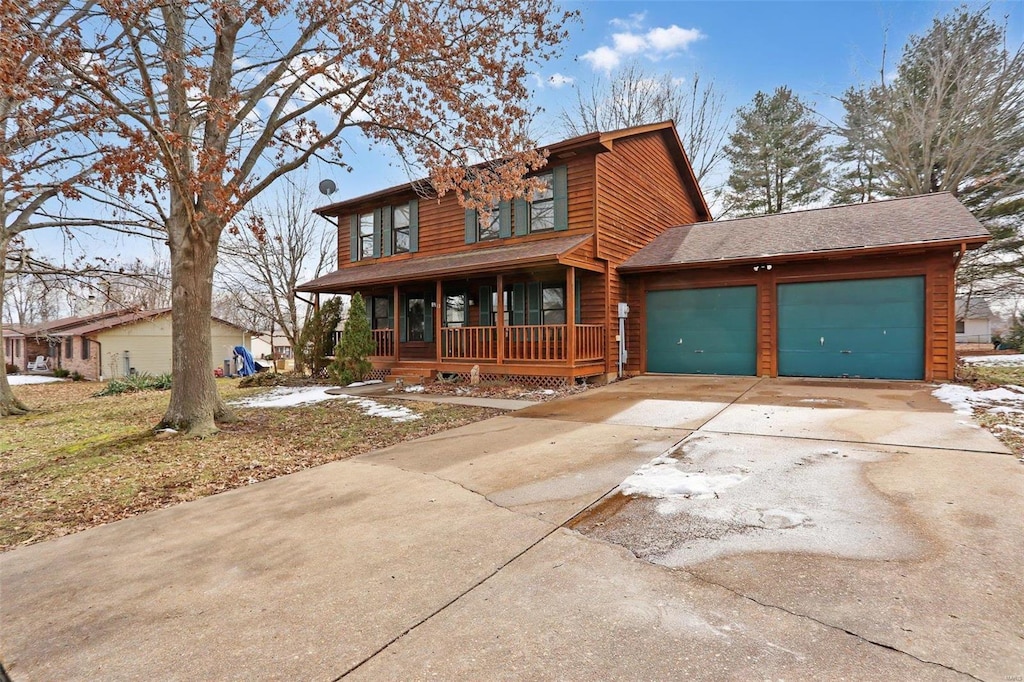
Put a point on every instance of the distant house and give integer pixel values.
(112, 344)
(616, 267)
(974, 321)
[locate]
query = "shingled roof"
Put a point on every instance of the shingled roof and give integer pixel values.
(930, 219)
(482, 261)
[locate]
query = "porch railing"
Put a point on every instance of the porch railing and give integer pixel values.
(522, 343)
(385, 340)
(590, 340)
(469, 343)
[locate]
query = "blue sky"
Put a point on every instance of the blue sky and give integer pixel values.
(817, 48)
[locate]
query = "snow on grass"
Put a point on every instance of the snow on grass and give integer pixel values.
(357, 384)
(293, 397)
(663, 477)
(964, 399)
(418, 388)
(25, 379)
(1015, 360)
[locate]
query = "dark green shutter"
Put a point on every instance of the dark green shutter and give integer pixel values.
(385, 231)
(522, 217)
(470, 225)
(353, 242)
(414, 226)
(376, 231)
(578, 301)
(369, 304)
(533, 295)
(560, 188)
(518, 304)
(402, 319)
(505, 219)
(486, 314)
(391, 312)
(428, 319)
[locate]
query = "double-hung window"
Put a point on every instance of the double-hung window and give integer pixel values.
(553, 304)
(366, 236)
(542, 207)
(400, 229)
(488, 224)
(381, 312)
(455, 310)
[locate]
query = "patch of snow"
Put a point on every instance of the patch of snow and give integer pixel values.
(292, 397)
(1007, 427)
(419, 388)
(663, 477)
(357, 384)
(25, 379)
(964, 399)
(770, 495)
(996, 360)
(286, 396)
(372, 408)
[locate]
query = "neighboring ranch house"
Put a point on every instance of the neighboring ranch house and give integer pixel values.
(974, 321)
(536, 290)
(16, 346)
(113, 344)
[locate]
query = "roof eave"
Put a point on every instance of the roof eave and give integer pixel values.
(967, 243)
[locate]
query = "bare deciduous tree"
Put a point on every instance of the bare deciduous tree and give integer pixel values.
(952, 120)
(220, 99)
(262, 266)
(633, 96)
(51, 149)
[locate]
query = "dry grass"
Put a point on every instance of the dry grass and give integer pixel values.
(1006, 426)
(78, 461)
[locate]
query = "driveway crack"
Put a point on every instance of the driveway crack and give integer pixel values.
(830, 626)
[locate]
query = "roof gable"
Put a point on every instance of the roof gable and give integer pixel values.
(596, 142)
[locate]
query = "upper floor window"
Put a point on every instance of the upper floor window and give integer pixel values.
(488, 225)
(400, 229)
(542, 208)
(366, 236)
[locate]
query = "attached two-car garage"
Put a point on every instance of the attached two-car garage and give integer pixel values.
(859, 291)
(868, 328)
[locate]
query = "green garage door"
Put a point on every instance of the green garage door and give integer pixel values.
(702, 331)
(870, 328)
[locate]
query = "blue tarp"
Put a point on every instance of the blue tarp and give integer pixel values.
(248, 367)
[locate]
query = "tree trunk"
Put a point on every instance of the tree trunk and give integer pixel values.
(9, 404)
(195, 405)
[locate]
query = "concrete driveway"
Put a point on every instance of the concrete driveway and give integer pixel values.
(870, 534)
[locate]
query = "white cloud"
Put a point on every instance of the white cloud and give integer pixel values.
(557, 80)
(635, 21)
(673, 38)
(603, 58)
(657, 43)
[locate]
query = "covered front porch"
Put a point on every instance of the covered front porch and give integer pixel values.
(513, 317)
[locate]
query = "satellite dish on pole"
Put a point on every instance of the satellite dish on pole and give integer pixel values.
(328, 187)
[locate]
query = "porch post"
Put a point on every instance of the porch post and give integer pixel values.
(501, 319)
(396, 317)
(438, 311)
(570, 315)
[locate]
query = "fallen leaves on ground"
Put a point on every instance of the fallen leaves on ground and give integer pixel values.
(76, 461)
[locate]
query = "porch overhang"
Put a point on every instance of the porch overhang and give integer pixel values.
(486, 261)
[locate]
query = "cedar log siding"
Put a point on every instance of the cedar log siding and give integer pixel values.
(640, 195)
(442, 222)
(937, 266)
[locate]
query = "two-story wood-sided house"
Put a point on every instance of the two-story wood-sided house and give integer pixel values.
(529, 290)
(533, 289)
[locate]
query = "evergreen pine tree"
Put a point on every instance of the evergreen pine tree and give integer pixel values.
(777, 155)
(356, 345)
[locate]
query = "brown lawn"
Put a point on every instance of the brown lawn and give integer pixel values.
(79, 461)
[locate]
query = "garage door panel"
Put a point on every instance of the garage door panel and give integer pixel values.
(865, 328)
(702, 331)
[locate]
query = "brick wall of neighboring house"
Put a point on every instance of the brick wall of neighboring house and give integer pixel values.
(88, 367)
(14, 351)
(33, 348)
